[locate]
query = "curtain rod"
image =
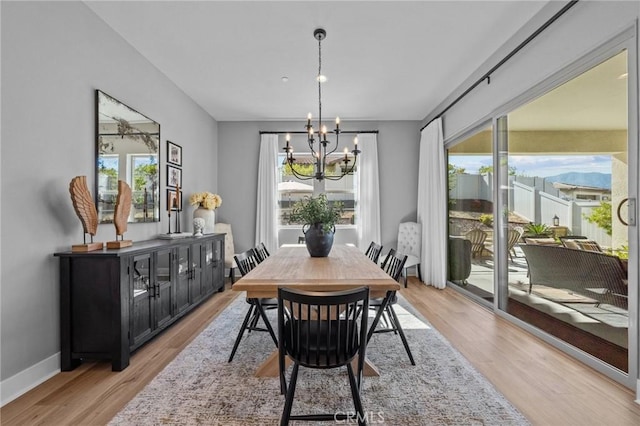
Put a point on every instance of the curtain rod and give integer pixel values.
(296, 132)
(487, 75)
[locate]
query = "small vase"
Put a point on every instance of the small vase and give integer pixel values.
(209, 217)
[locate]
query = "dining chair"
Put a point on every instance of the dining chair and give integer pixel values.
(322, 330)
(393, 265)
(410, 243)
(373, 252)
(261, 252)
(246, 261)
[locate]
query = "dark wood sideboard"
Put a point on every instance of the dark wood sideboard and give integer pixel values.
(114, 301)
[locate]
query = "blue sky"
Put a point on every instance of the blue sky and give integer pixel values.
(537, 165)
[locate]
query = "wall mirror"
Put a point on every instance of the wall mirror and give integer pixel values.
(127, 147)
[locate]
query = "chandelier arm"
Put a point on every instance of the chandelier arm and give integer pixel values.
(343, 174)
(300, 176)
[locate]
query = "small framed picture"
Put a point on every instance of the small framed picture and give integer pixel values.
(174, 176)
(174, 202)
(174, 153)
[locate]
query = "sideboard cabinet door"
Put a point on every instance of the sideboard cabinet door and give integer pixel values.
(143, 309)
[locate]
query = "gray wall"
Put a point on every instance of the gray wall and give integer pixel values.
(54, 56)
(239, 148)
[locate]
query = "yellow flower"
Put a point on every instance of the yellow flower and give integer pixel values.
(208, 200)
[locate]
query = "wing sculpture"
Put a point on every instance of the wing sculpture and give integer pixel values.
(83, 204)
(123, 207)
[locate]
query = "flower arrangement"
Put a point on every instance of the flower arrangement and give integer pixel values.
(208, 200)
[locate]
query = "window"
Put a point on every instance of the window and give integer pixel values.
(292, 189)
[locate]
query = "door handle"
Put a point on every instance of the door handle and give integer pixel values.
(631, 212)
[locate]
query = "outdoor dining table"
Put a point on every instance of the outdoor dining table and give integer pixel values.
(291, 266)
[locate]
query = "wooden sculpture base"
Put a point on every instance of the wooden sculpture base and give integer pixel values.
(86, 247)
(119, 244)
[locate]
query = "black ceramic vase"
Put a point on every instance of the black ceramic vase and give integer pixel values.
(318, 242)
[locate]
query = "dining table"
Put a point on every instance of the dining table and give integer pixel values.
(291, 266)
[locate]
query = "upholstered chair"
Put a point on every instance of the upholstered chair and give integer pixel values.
(229, 249)
(410, 243)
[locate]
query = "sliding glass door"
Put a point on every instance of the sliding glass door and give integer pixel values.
(569, 150)
(539, 215)
(470, 180)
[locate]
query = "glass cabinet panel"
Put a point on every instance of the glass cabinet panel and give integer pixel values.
(143, 297)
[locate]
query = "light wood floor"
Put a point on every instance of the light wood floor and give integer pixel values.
(547, 386)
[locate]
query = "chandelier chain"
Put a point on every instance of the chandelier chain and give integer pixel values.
(319, 85)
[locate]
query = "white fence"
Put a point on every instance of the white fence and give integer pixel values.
(534, 204)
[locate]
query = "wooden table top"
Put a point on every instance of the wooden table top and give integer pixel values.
(291, 266)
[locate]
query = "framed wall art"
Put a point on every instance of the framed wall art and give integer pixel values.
(174, 154)
(174, 201)
(174, 176)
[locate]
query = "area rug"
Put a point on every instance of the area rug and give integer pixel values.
(199, 387)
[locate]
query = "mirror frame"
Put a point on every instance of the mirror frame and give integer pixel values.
(147, 139)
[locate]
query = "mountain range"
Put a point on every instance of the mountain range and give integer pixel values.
(594, 179)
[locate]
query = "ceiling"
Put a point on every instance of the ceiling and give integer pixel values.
(593, 100)
(384, 60)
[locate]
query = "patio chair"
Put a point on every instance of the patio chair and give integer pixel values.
(513, 236)
(477, 237)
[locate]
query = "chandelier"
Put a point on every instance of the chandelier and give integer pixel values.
(324, 147)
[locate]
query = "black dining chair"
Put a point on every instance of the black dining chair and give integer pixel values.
(261, 252)
(393, 265)
(246, 261)
(322, 330)
(373, 252)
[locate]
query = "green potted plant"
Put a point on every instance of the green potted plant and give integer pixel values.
(537, 230)
(319, 217)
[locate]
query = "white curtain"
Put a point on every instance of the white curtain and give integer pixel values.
(368, 208)
(432, 202)
(267, 202)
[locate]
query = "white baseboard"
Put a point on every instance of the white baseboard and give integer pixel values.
(24, 381)
(638, 391)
